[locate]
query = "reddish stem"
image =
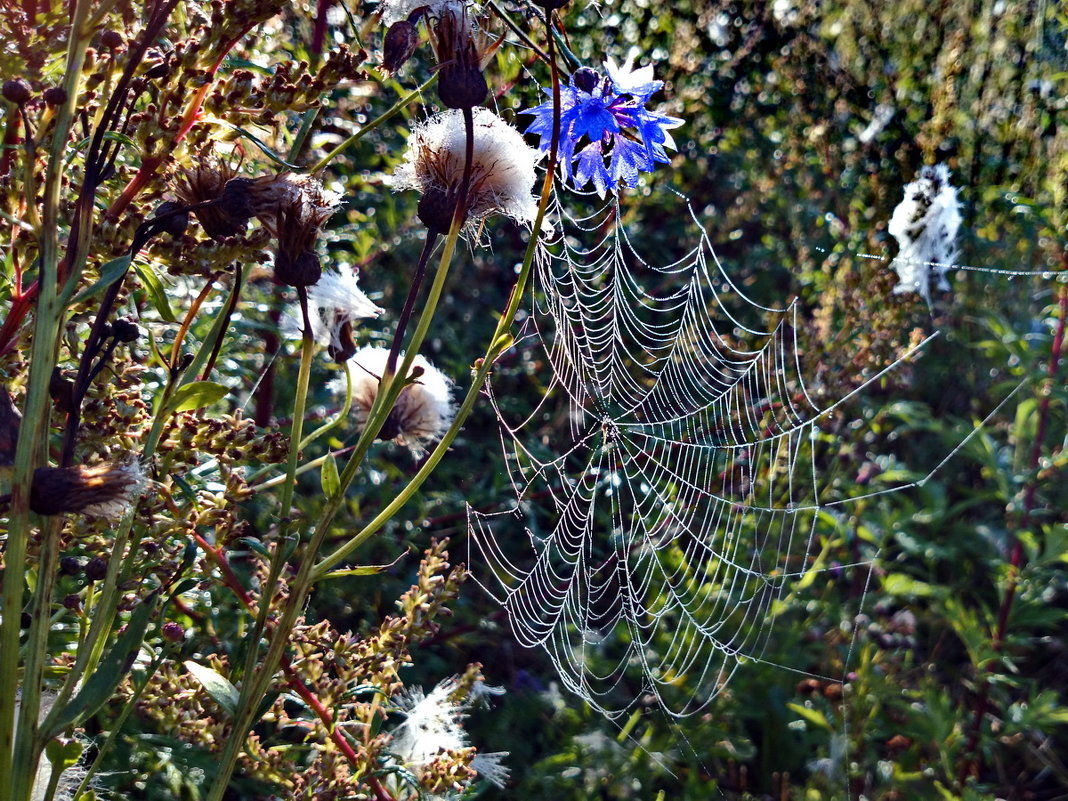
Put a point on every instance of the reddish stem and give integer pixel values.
(319, 31)
(293, 678)
(973, 758)
(144, 174)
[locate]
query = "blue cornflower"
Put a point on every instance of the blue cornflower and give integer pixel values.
(608, 111)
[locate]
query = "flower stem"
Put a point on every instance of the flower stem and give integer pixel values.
(30, 452)
(409, 302)
(356, 137)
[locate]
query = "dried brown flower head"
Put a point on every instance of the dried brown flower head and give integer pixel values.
(105, 490)
(221, 199)
(461, 58)
(293, 208)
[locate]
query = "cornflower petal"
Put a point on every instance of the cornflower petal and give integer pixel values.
(605, 119)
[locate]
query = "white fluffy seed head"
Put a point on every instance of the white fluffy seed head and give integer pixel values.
(424, 409)
(335, 303)
(433, 723)
(925, 225)
(502, 175)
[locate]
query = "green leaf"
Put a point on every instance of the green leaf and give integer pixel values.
(109, 274)
(62, 755)
(364, 570)
(196, 395)
(100, 686)
(254, 545)
(329, 477)
(902, 585)
(812, 716)
(156, 292)
(217, 686)
(267, 151)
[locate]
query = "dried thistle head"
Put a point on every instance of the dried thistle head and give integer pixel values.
(293, 208)
(462, 55)
(104, 490)
(220, 199)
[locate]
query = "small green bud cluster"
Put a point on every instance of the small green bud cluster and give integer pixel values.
(231, 439)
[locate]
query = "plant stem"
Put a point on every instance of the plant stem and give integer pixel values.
(409, 302)
(30, 452)
(500, 342)
(356, 137)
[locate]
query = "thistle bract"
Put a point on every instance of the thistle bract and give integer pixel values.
(606, 112)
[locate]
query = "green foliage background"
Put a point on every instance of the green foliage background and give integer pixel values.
(775, 98)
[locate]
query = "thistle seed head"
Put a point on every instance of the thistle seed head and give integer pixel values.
(103, 490)
(424, 409)
(502, 173)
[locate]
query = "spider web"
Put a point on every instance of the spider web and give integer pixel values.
(667, 480)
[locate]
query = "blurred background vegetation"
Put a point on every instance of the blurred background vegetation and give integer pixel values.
(803, 123)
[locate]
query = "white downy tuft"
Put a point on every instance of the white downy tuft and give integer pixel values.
(424, 409)
(925, 225)
(491, 768)
(334, 304)
(434, 724)
(502, 176)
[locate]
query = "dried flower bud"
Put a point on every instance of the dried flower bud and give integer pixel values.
(72, 602)
(112, 40)
(461, 83)
(17, 91)
(70, 566)
(586, 79)
(297, 269)
(173, 632)
(462, 86)
(401, 40)
(172, 217)
(293, 208)
(55, 96)
(96, 568)
(61, 391)
(230, 209)
(125, 330)
(436, 207)
(105, 489)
